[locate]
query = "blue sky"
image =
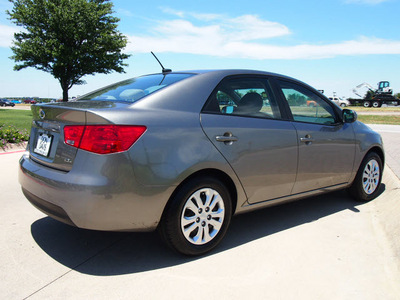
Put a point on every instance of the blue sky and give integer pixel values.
(332, 45)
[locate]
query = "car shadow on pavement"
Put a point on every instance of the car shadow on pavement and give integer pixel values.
(116, 253)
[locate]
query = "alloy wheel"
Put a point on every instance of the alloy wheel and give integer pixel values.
(202, 216)
(371, 175)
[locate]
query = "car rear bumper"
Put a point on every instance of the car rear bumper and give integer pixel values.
(92, 201)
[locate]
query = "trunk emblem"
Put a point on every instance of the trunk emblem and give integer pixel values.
(42, 114)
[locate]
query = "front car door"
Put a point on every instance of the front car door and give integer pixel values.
(243, 120)
(326, 145)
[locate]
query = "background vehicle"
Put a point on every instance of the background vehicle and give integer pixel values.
(339, 101)
(5, 102)
(375, 97)
(182, 152)
(29, 101)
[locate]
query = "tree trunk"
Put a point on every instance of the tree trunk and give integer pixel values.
(65, 94)
(64, 86)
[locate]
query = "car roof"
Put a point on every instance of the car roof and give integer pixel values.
(224, 72)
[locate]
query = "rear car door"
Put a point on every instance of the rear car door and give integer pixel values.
(243, 120)
(326, 145)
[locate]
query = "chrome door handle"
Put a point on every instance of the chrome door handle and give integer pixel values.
(227, 138)
(307, 139)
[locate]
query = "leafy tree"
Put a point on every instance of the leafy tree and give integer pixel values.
(296, 99)
(67, 38)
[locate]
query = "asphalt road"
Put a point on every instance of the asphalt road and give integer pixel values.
(326, 247)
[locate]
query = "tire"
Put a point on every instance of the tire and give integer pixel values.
(376, 104)
(342, 105)
(367, 104)
(197, 217)
(365, 186)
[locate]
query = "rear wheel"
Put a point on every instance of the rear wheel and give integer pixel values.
(376, 104)
(368, 179)
(367, 104)
(197, 217)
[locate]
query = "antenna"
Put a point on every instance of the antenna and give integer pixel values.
(164, 70)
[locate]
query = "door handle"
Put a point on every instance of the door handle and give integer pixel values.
(227, 138)
(307, 139)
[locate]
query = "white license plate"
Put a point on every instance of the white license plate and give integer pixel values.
(43, 144)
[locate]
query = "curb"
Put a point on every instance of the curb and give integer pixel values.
(13, 148)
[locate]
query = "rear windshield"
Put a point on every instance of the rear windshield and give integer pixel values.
(134, 89)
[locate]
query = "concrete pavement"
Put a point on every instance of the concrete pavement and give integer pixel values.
(391, 139)
(326, 247)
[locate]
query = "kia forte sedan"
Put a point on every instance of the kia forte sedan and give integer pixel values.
(182, 152)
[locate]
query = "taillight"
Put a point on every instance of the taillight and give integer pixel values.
(102, 139)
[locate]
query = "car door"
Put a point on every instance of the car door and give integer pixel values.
(243, 121)
(326, 145)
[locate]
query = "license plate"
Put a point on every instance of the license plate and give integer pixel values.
(43, 144)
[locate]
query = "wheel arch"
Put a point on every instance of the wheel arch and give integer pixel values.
(378, 151)
(218, 174)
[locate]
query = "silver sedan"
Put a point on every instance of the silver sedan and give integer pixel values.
(182, 152)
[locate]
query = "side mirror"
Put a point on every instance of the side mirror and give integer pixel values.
(349, 116)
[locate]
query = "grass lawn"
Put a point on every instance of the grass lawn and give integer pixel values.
(376, 119)
(371, 109)
(21, 119)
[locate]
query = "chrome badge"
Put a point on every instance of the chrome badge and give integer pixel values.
(42, 114)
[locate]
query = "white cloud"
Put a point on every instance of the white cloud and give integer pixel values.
(125, 12)
(171, 11)
(246, 36)
(7, 35)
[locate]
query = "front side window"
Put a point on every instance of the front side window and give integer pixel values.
(250, 97)
(306, 106)
(134, 89)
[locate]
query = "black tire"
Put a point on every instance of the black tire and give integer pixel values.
(365, 186)
(376, 104)
(367, 104)
(184, 237)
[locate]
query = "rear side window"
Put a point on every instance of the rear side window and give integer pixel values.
(247, 96)
(134, 89)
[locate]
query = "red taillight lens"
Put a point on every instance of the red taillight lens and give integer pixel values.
(102, 139)
(73, 135)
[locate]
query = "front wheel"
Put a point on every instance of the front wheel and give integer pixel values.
(197, 217)
(368, 179)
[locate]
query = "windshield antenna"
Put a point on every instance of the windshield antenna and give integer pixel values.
(164, 70)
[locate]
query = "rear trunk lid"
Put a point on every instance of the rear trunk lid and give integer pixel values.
(46, 142)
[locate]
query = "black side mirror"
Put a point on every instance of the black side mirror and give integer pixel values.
(349, 116)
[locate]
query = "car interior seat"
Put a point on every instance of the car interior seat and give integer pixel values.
(250, 104)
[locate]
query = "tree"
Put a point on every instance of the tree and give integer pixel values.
(67, 38)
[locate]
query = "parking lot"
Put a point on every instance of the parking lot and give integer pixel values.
(326, 247)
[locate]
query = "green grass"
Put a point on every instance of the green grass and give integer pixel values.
(372, 109)
(20, 119)
(15, 126)
(376, 119)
